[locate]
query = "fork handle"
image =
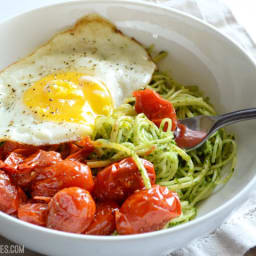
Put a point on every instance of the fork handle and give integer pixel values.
(234, 117)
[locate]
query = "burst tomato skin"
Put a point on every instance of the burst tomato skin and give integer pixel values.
(10, 146)
(9, 199)
(20, 161)
(35, 213)
(104, 220)
(119, 180)
(81, 150)
(21, 165)
(22, 196)
(23, 179)
(147, 210)
(12, 162)
(66, 173)
(154, 107)
(71, 210)
(40, 159)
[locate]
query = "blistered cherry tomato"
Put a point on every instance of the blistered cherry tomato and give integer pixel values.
(35, 213)
(2, 164)
(22, 196)
(84, 148)
(63, 174)
(71, 210)
(12, 162)
(154, 107)
(10, 146)
(9, 200)
(23, 179)
(119, 180)
(40, 159)
(42, 199)
(104, 220)
(20, 161)
(147, 210)
(21, 166)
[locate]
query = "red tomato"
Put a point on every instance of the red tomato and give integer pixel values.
(71, 210)
(147, 210)
(23, 179)
(119, 180)
(40, 159)
(154, 107)
(12, 162)
(85, 147)
(21, 166)
(2, 164)
(35, 213)
(10, 146)
(9, 200)
(188, 138)
(104, 220)
(42, 199)
(20, 161)
(22, 196)
(62, 174)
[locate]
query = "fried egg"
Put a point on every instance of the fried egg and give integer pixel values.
(55, 94)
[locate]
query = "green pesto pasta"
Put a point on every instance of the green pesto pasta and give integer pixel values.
(193, 175)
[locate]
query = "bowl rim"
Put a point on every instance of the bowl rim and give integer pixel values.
(174, 229)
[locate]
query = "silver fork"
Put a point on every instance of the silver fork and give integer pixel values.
(210, 124)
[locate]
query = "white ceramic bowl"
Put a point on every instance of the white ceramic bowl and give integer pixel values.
(198, 55)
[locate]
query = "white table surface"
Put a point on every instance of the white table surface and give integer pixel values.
(244, 11)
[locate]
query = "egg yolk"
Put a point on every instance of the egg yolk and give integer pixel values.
(69, 97)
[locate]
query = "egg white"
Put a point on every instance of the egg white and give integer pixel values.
(93, 47)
